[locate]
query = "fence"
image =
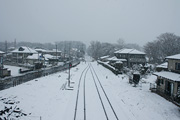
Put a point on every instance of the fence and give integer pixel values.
(11, 81)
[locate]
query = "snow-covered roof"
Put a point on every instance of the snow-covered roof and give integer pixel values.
(163, 65)
(48, 56)
(129, 51)
(119, 62)
(168, 75)
(34, 56)
(52, 51)
(1, 52)
(103, 57)
(40, 50)
(116, 59)
(177, 56)
(47, 51)
(24, 49)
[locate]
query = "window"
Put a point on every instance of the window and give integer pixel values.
(177, 66)
(162, 81)
(158, 82)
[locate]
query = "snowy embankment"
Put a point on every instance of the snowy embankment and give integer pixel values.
(137, 102)
(43, 97)
(46, 97)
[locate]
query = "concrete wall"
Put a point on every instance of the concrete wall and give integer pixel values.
(8, 82)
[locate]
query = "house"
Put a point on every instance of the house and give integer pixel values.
(174, 63)
(53, 52)
(168, 82)
(52, 59)
(40, 50)
(132, 56)
(31, 59)
(19, 55)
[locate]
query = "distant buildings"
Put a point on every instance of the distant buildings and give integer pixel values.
(28, 55)
(125, 58)
(132, 56)
(19, 55)
(53, 52)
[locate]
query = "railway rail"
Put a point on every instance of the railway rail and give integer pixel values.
(100, 91)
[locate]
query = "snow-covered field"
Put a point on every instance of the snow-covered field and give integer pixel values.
(47, 99)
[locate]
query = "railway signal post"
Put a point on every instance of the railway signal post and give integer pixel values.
(70, 65)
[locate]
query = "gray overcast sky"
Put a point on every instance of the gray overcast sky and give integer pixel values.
(136, 21)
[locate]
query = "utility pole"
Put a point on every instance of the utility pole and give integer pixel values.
(70, 65)
(56, 52)
(64, 49)
(15, 43)
(6, 47)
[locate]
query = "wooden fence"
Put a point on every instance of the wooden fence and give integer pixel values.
(12, 81)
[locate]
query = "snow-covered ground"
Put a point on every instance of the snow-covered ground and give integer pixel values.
(46, 97)
(14, 69)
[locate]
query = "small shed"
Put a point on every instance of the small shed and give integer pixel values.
(162, 67)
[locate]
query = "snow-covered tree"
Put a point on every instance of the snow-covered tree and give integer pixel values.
(94, 49)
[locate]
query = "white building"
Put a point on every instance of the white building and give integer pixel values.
(19, 55)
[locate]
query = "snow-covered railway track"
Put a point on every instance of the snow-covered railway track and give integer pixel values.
(100, 96)
(92, 101)
(78, 90)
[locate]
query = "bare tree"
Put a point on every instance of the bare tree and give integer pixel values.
(166, 44)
